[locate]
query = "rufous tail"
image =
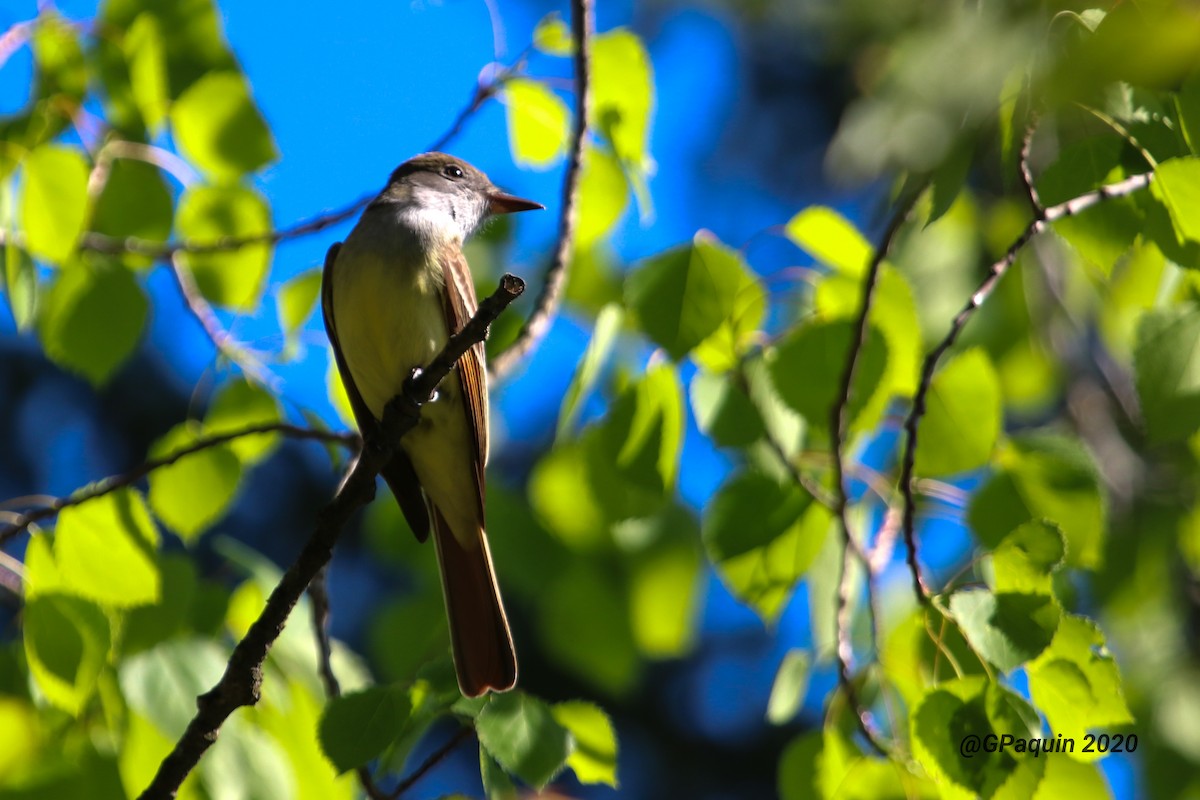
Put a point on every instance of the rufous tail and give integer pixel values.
(484, 657)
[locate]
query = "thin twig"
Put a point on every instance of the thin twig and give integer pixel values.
(432, 761)
(1031, 193)
(907, 485)
(839, 419)
(241, 683)
(115, 482)
(318, 594)
(203, 312)
(582, 26)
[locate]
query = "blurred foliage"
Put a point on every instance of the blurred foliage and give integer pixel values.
(1061, 428)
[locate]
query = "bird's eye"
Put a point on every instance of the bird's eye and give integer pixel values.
(452, 171)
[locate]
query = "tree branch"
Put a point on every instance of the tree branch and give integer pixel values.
(582, 26)
(241, 683)
(1066, 209)
(838, 425)
(115, 482)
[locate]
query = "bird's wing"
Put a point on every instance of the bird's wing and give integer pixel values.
(399, 472)
(460, 307)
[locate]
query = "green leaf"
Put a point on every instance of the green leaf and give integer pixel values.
(356, 728)
(682, 296)
(208, 214)
(106, 550)
(964, 707)
(807, 370)
(92, 319)
(1167, 367)
(66, 645)
(145, 52)
(1007, 628)
(54, 201)
(1044, 477)
(1102, 233)
(583, 623)
(134, 202)
(622, 83)
(763, 535)
(593, 756)
(218, 127)
(20, 285)
(1027, 558)
(826, 764)
(724, 410)
(162, 684)
(1177, 185)
(724, 349)
(893, 309)
(791, 684)
(295, 300)
(633, 455)
(1076, 683)
(604, 335)
(538, 122)
(831, 239)
(147, 626)
(240, 405)
(949, 178)
(962, 420)
(562, 494)
(1187, 102)
(520, 732)
(496, 783)
(553, 36)
(195, 491)
(784, 425)
(603, 196)
(664, 581)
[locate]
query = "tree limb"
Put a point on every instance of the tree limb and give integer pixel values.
(1065, 209)
(53, 505)
(242, 681)
(582, 26)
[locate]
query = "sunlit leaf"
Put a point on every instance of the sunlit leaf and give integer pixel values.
(295, 300)
(622, 84)
(538, 122)
(1027, 558)
(209, 214)
(724, 410)
(791, 684)
(682, 296)
(54, 201)
(604, 335)
(1044, 477)
(145, 52)
(106, 550)
(162, 684)
(240, 405)
(830, 238)
(218, 127)
(553, 36)
(1076, 683)
(20, 285)
(92, 319)
(962, 418)
(593, 756)
(664, 582)
(134, 202)
(520, 732)
(1008, 628)
(808, 365)
(195, 491)
(603, 195)
(562, 495)
(762, 535)
(66, 644)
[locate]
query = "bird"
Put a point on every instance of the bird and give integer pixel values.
(391, 295)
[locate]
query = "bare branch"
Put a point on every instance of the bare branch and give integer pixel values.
(242, 681)
(838, 425)
(907, 485)
(582, 26)
(1026, 174)
(115, 482)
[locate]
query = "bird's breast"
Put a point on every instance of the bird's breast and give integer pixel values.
(389, 314)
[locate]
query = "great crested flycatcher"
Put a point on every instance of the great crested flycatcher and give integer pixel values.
(392, 294)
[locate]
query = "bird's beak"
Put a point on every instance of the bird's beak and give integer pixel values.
(502, 203)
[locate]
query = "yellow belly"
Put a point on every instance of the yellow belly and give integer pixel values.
(389, 320)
